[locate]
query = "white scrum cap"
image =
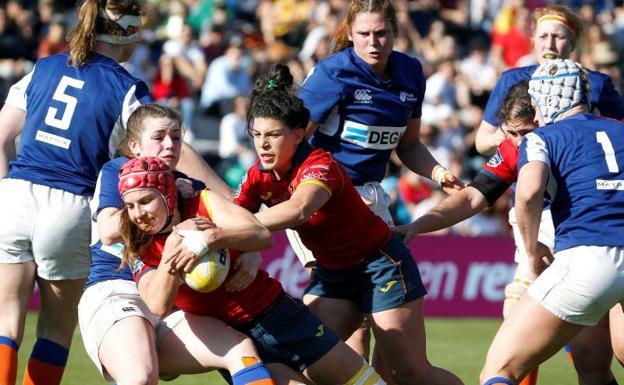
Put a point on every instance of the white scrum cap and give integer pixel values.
(557, 86)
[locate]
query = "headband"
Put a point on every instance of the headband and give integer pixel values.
(130, 26)
(557, 19)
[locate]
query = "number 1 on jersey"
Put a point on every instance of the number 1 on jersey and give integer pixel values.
(70, 102)
(607, 147)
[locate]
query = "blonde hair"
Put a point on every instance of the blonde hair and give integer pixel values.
(571, 20)
(385, 7)
(135, 127)
(82, 36)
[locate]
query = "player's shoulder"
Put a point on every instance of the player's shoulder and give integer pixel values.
(514, 75)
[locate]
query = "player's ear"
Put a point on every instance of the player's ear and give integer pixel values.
(134, 147)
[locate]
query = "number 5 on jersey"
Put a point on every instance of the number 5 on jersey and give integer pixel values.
(70, 102)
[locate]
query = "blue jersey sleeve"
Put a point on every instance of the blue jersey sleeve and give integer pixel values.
(422, 85)
(507, 80)
(320, 93)
(109, 177)
(609, 101)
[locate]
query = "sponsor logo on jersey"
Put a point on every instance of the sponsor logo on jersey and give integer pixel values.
(373, 137)
(363, 96)
(317, 175)
(495, 160)
(128, 308)
(407, 97)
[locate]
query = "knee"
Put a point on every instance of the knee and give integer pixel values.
(138, 377)
(241, 355)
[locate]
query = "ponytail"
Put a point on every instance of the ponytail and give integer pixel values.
(273, 98)
(82, 36)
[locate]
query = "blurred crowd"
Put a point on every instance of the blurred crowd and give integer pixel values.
(202, 56)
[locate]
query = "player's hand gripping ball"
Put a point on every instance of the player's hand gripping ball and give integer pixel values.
(213, 265)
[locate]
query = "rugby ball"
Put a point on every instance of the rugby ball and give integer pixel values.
(210, 271)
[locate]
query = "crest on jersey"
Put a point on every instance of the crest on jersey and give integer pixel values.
(407, 97)
(495, 160)
(363, 96)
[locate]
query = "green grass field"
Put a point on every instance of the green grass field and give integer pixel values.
(456, 344)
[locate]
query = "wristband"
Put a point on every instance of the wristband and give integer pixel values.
(194, 241)
(439, 174)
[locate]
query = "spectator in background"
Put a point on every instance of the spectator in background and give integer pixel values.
(188, 56)
(476, 74)
(54, 41)
(511, 46)
(227, 77)
(170, 89)
(235, 146)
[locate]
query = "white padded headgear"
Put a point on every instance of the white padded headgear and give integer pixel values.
(557, 86)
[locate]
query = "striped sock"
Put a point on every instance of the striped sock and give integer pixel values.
(8, 361)
(530, 379)
(46, 364)
(567, 349)
(253, 375)
(498, 381)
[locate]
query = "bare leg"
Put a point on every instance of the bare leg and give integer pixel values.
(527, 338)
(128, 353)
(400, 335)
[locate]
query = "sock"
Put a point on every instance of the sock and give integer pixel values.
(256, 374)
(567, 349)
(530, 379)
(366, 375)
(498, 381)
(46, 364)
(8, 361)
(613, 382)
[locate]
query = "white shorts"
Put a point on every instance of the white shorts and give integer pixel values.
(47, 225)
(103, 304)
(546, 234)
(582, 283)
(375, 198)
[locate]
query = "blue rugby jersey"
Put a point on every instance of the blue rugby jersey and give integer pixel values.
(604, 97)
(105, 259)
(75, 117)
(585, 154)
(362, 117)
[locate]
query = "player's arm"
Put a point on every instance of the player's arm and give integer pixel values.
(11, 124)
(159, 287)
(307, 199)
(236, 227)
(193, 165)
(530, 190)
(108, 225)
(454, 209)
(416, 157)
(488, 138)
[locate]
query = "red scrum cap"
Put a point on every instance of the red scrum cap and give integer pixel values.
(149, 173)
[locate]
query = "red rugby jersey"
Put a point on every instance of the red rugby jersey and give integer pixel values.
(342, 233)
(504, 163)
(232, 308)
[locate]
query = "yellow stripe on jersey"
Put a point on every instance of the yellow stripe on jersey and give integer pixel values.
(204, 199)
(318, 183)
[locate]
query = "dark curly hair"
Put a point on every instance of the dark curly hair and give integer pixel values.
(273, 97)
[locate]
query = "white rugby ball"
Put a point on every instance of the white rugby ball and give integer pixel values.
(210, 271)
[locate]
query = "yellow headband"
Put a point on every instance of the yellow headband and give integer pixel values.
(557, 19)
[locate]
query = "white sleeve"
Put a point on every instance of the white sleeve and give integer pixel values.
(536, 149)
(17, 93)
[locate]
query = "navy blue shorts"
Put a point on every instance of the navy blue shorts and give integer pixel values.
(290, 334)
(388, 279)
